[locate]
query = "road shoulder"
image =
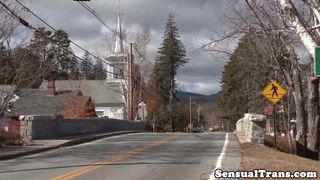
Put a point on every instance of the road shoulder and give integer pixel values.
(232, 159)
(12, 152)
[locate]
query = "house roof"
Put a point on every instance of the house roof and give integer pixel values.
(37, 102)
(100, 92)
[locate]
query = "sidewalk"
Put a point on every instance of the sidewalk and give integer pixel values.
(37, 146)
(232, 159)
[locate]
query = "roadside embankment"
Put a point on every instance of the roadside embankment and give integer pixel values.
(258, 156)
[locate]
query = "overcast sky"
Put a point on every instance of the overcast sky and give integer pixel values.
(196, 19)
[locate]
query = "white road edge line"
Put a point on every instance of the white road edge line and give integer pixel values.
(220, 158)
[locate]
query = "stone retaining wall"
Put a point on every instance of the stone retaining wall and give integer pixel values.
(50, 127)
(252, 127)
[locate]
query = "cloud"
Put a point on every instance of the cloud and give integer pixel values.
(195, 19)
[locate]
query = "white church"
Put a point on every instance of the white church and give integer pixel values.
(110, 95)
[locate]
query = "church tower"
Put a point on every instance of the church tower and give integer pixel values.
(118, 47)
(118, 58)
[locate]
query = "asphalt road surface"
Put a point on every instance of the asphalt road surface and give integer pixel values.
(141, 156)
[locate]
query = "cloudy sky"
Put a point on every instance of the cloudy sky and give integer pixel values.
(197, 20)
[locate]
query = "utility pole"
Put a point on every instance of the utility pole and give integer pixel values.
(190, 104)
(44, 60)
(199, 127)
(171, 94)
(170, 104)
(130, 84)
(274, 126)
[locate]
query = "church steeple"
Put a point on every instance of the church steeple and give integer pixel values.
(118, 47)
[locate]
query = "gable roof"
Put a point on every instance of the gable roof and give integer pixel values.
(100, 92)
(37, 102)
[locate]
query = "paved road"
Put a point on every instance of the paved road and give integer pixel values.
(128, 157)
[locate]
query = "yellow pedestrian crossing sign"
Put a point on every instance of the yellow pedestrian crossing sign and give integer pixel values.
(274, 92)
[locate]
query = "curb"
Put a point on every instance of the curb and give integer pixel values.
(70, 143)
(20, 154)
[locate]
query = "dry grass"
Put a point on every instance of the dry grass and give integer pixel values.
(282, 143)
(256, 156)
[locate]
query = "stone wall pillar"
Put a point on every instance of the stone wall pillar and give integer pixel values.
(26, 128)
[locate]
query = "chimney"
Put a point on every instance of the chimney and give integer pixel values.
(51, 88)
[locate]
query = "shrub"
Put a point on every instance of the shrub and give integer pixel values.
(9, 138)
(167, 128)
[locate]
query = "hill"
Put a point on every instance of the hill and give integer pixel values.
(184, 96)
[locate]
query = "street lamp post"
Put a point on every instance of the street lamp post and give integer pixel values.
(199, 127)
(190, 123)
(190, 109)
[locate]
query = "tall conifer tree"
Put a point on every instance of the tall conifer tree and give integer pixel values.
(171, 55)
(86, 66)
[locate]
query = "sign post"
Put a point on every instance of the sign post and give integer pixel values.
(274, 93)
(317, 61)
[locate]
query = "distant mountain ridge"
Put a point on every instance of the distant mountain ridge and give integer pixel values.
(184, 96)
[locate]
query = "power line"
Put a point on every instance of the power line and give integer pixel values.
(136, 47)
(22, 21)
(104, 23)
(72, 42)
(98, 17)
(28, 25)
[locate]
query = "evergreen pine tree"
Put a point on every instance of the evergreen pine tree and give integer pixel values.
(99, 71)
(86, 66)
(243, 79)
(171, 55)
(74, 68)
(61, 49)
(40, 46)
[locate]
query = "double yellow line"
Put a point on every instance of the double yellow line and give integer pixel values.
(91, 167)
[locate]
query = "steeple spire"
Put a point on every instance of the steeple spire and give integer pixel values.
(118, 47)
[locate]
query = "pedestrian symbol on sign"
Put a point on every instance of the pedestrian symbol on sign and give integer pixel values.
(274, 92)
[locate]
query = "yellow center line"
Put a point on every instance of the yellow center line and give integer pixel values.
(91, 167)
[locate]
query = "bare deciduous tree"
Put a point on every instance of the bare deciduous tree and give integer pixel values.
(282, 23)
(309, 35)
(7, 22)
